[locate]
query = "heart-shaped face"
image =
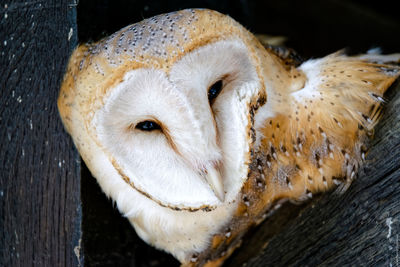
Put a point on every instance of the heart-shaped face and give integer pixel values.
(160, 112)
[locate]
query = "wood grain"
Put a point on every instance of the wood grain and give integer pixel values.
(40, 212)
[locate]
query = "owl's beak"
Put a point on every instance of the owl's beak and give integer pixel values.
(214, 179)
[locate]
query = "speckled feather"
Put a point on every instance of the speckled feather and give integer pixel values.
(320, 142)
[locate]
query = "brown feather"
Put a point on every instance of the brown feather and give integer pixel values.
(321, 142)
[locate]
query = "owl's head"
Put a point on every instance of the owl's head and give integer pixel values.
(165, 107)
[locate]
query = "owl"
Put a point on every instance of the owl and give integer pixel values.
(196, 130)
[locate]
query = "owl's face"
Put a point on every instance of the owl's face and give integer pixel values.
(164, 109)
(180, 137)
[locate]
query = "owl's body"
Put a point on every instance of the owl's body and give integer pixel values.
(196, 130)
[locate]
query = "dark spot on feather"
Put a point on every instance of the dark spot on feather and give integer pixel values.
(317, 158)
(375, 95)
(364, 148)
(371, 108)
(365, 117)
(283, 148)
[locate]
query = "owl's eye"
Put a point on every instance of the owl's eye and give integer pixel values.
(214, 90)
(147, 126)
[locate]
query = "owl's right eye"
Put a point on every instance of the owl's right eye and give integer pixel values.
(147, 126)
(214, 91)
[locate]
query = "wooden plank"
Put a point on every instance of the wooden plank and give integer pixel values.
(359, 228)
(40, 214)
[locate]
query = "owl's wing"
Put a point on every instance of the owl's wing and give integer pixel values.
(320, 141)
(288, 56)
(275, 45)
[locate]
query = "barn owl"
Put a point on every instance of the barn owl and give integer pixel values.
(196, 130)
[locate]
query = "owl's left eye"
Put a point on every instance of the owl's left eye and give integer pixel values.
(214, 90)
(147, 126)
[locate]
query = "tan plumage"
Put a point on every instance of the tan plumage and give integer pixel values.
(276, 131)
(326, 126)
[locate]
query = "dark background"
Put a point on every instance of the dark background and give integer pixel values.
(313, 28)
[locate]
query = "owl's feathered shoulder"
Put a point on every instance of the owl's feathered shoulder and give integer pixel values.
(319, 137)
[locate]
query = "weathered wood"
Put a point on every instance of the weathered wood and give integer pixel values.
(40, 213)
(359, 228)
